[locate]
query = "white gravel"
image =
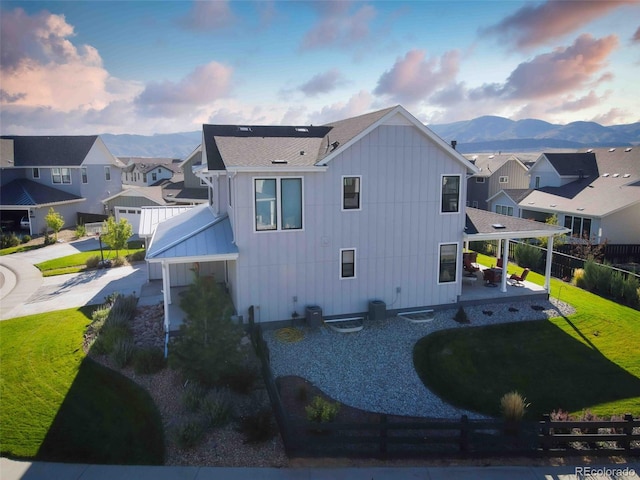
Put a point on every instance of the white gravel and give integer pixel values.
(373, 369)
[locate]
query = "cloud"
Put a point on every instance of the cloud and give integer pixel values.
(612, 117)
(322, 83)
(358, 104)
(414, 77)
(203, 85)
(337, 27)
(565, 69)
(636, 36)
(589, 100)
(206, 16)
(537, 24)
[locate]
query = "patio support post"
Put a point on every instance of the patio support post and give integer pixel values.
(499, 250)
(166, 290)
(547, 270)
(505, 260)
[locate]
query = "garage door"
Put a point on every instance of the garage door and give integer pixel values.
(131, 214)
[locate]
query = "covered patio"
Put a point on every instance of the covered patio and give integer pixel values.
(482, 225)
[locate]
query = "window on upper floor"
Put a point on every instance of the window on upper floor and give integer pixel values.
(144, 177)
(537, 184)
(504, 210)
(479, 179)
(448, 259)
(61, 175)
(35, 172)
(83, 173)
(450, 194)
(154, 176)
(474, 204)
(278, 203)
(580, 226)
(107, 174)
(503, 179)
(347, 263)
(351, 192)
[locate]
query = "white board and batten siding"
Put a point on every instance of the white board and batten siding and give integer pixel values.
(396, 233)
(182, 274)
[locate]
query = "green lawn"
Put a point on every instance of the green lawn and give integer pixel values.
(58, 405)
(589, 361)
(77, 262)
(19, 248)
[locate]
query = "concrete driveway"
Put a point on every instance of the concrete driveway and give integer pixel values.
(23, 291)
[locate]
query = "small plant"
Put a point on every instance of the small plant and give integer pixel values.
(81, 231)
(188, 433)
(122, 352)
(578, 278)
(92, 262)
(192, 396)
(99, 315)
(240, 380)
(119, 261)
(26, 238)
(108, 337)
(148, 360)
(136, 256)
(631, 291)
(513, 406)
(8, 241)
(55, 222)
(528, 256)
(461, 316)
(321, 410)
(257, 427)
(216, 408)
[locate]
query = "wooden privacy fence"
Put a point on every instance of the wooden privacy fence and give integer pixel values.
(400, 437)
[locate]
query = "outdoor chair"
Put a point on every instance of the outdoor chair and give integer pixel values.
(469, 263)
(516, 280)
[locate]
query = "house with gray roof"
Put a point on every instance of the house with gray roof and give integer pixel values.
(147, 171)
(328, 218)
(72, 174)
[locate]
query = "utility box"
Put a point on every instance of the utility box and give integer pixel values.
(377, 310)
(313, 315)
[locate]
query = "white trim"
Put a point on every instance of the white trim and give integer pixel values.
(460, 208)
(457, 257)
(270, 169)
(278, 181)
(355, 256)
(359, 194)
(513, 235)
(199, 258)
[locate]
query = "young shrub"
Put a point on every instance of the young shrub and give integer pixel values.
(578, 278)
(616, 288)
(240, 379)
(461, 316)
(119, 261)
(631, 291)
(81, 231)
(55, 222)
(189, 433)
(257, 427)
(26, 238)
(193, 396)
(321, 410)
(92, 262)
(99, 315)
(216, 408)
(302, 393)
(513, 406)
(122, 352)
(136, 256)
(10, 240)
(108, 337)
(149, 360)
(528, 256)
(122, 310)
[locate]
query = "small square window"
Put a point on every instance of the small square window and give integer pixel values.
(479, 179)
(503, 179)
(347, 263)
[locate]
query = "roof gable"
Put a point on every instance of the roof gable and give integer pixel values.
(40, 151)
(574, 164)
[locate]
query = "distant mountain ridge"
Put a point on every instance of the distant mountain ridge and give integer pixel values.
(482, 134)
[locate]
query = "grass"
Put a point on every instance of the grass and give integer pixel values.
(18, 249)
(589, 360)
(58, 405)
(77, 262)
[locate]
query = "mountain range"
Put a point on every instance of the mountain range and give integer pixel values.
(482, 134)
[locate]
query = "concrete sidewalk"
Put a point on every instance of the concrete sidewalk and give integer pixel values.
(13, 470)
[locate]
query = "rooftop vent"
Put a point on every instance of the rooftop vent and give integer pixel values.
(244, 129)
(553, 205)
(302, 129)
(279, 162)
(590, 150)
(498, 225)
(605, 174)
(335, 145)
(626, 175)
(580, 208)
(492, 156)
(612, 150)
(628, 149)
(453, 144)
(302, 152)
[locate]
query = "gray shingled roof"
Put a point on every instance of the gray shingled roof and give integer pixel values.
(262, 151)
(517, 194)
(26, 193)
(32, 151)
(574, 163)
(483, 223)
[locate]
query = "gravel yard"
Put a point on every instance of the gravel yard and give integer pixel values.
(373, 369)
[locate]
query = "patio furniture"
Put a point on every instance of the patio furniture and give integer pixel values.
(469, 263)
(492, 276)
(516, 280)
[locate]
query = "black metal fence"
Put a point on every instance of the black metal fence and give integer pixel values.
(398, 437)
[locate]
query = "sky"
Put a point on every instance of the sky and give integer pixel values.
(145, 67)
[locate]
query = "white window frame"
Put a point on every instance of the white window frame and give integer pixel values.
(35, 172)
(457, 264)
(154, 177)
(107, 174)
(503, 179)
(355, 262)
(359, 177)
(459, 193)
(480, 179)
(503, 209)
(61, 174)
(278, 204)
(84, 176)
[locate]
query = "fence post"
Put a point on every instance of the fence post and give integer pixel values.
(628, 431)
(546, 431)
(464, 434)
(383, 435)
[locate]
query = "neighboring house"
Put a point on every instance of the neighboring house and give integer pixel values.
(496, 172)
(595, 194)
(129, 202)
(147, 172)
(507, 202)
(72, 174)
(186, 187)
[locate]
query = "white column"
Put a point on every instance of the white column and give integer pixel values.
(499, 251)
(505, 259)
(547, 270)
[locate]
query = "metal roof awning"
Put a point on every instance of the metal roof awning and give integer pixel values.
(484, 225)
(197, 235)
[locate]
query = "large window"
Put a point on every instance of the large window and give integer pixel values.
(504, 210)
(580, 227)
(347, 263)
(61, 175)
(351, 193)
(450, 194)
(278, 204)
(448, 262)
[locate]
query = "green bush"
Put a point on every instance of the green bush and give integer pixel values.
(26, 238)
(461, 316)
(122, 310)
(92, 262)
(193, 396)
(216, 408)
(513, 406)
(9, 240)
(118, 261)
(631, 292)
(138, 256)
(257, 427)
(189, 433)
(597, 277)
(528, 256)
(616, 288)
(135, 244)
(81, 231)
(122, 352)
(100, 315)
(321, 410)
(108, 337)
(148, 360)
(239, 379)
